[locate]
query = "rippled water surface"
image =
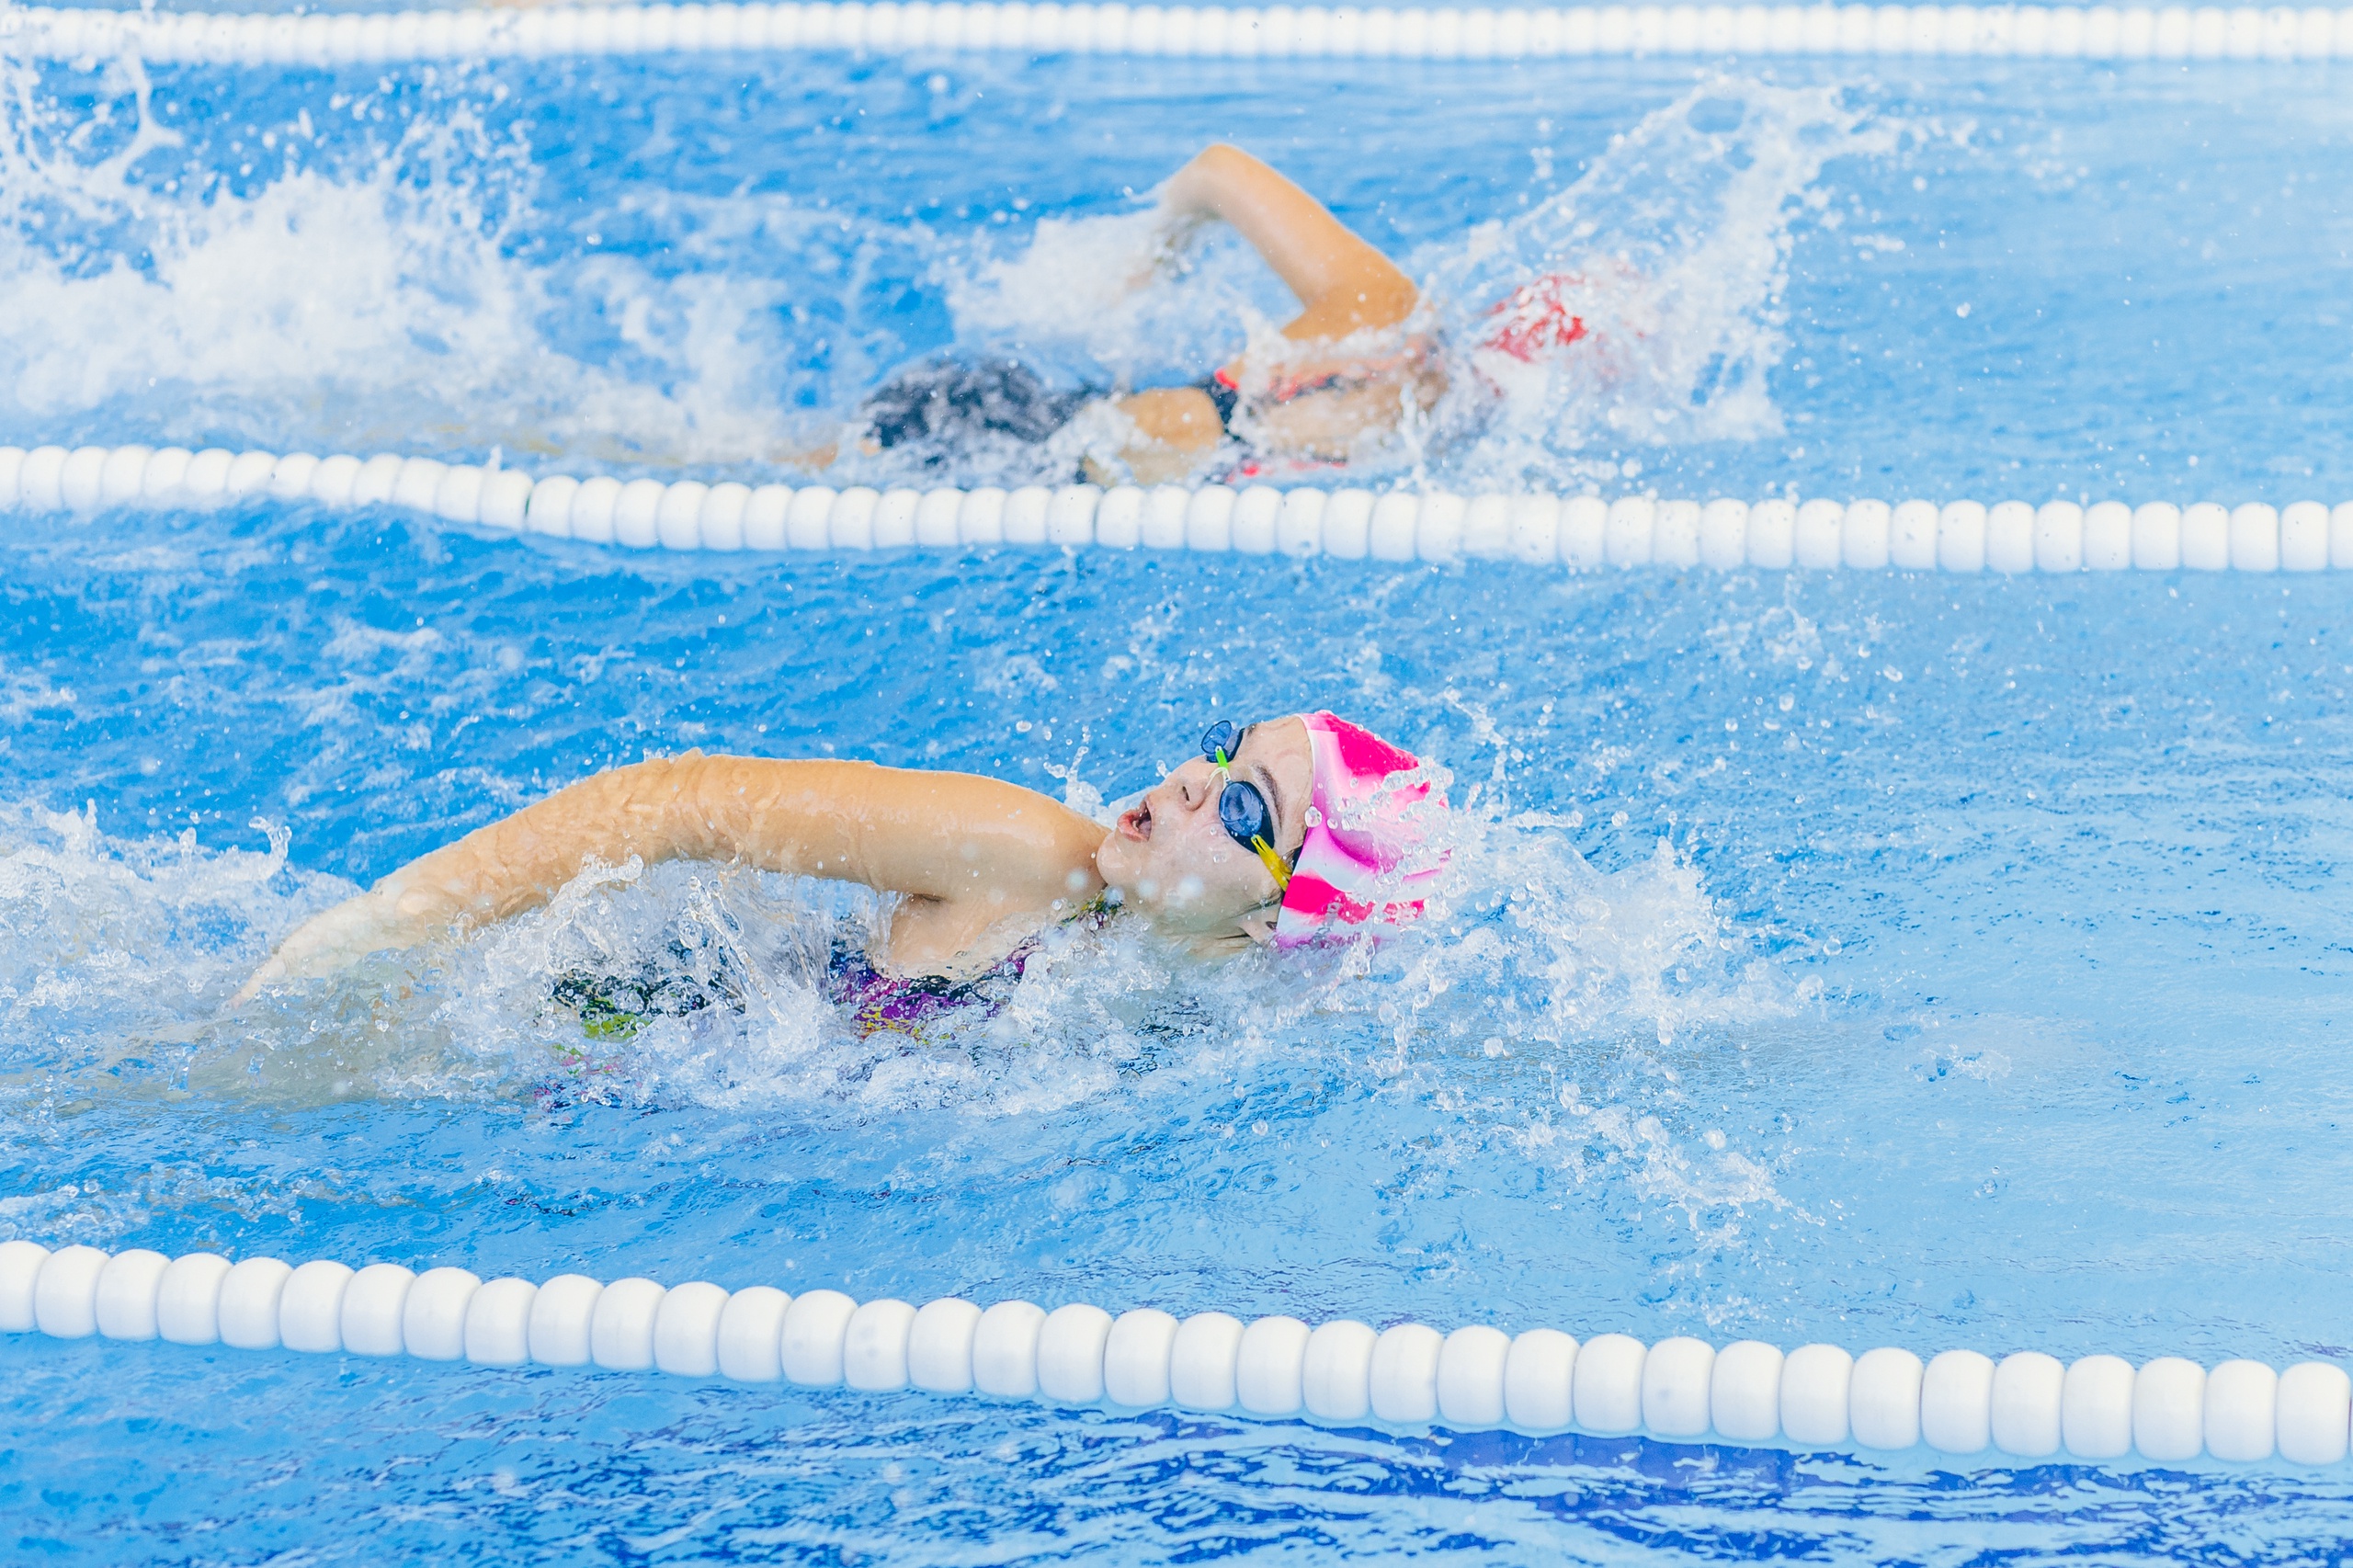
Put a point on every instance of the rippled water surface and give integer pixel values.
(1924, 961)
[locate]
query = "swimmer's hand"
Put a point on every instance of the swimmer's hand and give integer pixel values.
(1173, 234)
(337, 939)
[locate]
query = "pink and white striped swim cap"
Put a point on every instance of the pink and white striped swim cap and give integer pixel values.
(1365, 863)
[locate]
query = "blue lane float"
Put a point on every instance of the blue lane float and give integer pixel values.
(1578, 532)
(2279, 34)
(1961, 1404)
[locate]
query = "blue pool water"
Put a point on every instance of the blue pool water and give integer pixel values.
(1878, 958)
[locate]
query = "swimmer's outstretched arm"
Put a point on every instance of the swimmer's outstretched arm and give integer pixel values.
(970, 853)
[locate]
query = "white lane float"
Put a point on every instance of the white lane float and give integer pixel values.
(1579, 532)
(2278, 34)
(1961, 1404)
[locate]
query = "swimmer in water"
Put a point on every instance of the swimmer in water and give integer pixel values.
(1360, 360)
(1353, 365)
(1290, 831)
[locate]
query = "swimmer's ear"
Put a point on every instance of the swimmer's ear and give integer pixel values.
(1259, 925)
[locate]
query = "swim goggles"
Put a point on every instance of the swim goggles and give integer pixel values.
(1242, 811)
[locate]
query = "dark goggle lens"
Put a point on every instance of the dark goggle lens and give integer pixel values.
(1243, 812)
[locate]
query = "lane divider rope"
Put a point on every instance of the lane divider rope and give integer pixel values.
(2064, 32)
(1961, 1402)
(1581, 532)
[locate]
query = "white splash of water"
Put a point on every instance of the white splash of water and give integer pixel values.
(1670, 255)
(103, 939)
(732, 983)
(380, 302)
(719, 987)
(1566, 1012)
(385, 287)
(1105, 299)
(1620, 981)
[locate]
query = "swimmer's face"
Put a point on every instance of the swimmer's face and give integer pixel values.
(1171, 857)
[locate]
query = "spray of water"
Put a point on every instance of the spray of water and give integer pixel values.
(1670, 257)
(381, 268)
(385, 278)
(1638, 307)
(359, 277)
(1545, 1005)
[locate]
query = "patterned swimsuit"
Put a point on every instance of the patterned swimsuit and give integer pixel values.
(879, 1003)
(613, 1008)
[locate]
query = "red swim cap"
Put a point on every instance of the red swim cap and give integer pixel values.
(1538, 316)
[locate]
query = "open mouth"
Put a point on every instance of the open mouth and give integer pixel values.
(1136, 822)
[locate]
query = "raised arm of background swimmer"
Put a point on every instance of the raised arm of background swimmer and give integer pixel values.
(971, 855)
(1345, 286)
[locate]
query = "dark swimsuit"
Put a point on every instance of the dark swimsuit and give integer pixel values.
(613, 1008)
(1224, 392)
(942, 407)
(908, 1005)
